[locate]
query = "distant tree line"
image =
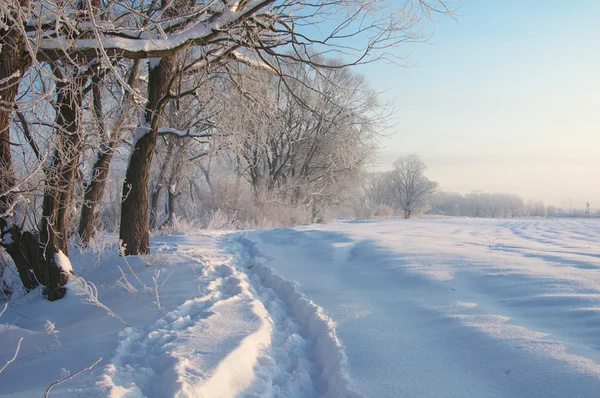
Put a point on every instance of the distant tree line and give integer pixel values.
(497, 205)
(405, 191)
(482, 204)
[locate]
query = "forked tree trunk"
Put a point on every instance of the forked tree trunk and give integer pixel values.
(134, 231)
(60, 181)
(94, 190)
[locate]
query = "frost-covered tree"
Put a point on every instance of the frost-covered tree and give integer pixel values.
(191, 36)
(412, 188)
(58, 81)
(61, 59)
(302, 143)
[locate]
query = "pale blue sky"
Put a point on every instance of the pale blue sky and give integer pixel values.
(505, 100)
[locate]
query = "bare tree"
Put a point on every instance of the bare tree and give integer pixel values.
(260, 33)
(303, 143)
(379, 189)
(411, 186)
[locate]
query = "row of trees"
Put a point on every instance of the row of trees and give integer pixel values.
(83, 81)
(406, 190)
(481, 204)
(498, 205)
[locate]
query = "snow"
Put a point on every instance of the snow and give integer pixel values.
(10, 280)
(7, 239)
(150, 43)
(415, 308)
(428, 308)
(63, 263)
(153, 62)
(140, 131)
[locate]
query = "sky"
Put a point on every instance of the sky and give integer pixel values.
(506, 99)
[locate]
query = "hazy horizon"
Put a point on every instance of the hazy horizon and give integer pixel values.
(505, 100)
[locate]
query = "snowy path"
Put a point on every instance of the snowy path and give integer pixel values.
(454, 308)
(256, 337)
(220, 332)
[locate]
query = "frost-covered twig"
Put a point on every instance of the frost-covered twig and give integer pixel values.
(18, 344)
(157, 298)
(492, 245)
(491, 240)
(122, 254)
(70, 377)
(16, 350)
(166, 279)
(14, 356)
(50, 328)
(91, 293)
(124, 282)
(157, 286)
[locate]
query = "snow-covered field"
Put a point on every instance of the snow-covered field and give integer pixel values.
(394, 308)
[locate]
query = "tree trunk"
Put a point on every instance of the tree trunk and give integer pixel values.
(94, 191)
(21, 246)
(92, 199)
(156, 190)
(60, 181)
(170, 207)
(134, 231)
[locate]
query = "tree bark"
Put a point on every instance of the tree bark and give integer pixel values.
(157, 188)
(172, 194)
(134, 231)
(92, 199)
(60, 181)
(154, 197)
(21, 246)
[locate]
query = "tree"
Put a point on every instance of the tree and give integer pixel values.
(189, 36)
(302, 147)
(63, 83)
(412, 188)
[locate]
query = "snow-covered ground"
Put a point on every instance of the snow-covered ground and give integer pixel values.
(393, 308)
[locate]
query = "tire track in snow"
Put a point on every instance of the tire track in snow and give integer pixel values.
(200, 349)
(306, 358)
